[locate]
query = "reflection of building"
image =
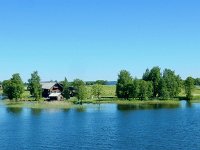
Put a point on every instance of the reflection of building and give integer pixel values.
(52, 90)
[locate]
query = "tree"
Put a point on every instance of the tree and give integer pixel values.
(97, 90)
(124, 84)
(163, 92)
(189, 86)
(14, 87)
(155, 77)
(34, 86)
(80, 88)
(145, 90)
(135, 88)
(146, 75)
(102, 82)
(170, 85)
(6, 85)
(66, 91)
(197, 81)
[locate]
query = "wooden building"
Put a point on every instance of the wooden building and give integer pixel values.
(52, 87)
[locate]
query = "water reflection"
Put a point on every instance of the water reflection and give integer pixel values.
(14, 110)
(81, 109)
(188, 104)
(124, 107)
(36, 112)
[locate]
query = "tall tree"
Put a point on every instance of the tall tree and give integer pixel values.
(97, 90)
(171, 83)
(34, 86)
(135, 88)
(80, 88)
(155, 77)
(145, 90)
(189, 86)
(146, 75)
(14, 87)
(124, 83)
(163, 90)
(66, 91)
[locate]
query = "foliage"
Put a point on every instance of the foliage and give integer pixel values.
(81, 90)
(66, 91)
(170, 85)
(124, 84)
(155, 76)
(101, 82)
(145, 90)
(97, 90)
(197, 81)
(135, 88)
(189, 87)
(34, 86)
(14, 87)
(146, 75)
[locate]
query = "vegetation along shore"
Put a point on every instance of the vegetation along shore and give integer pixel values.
(155, 87)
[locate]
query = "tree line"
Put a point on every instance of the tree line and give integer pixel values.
(153, 85)
(14, 88)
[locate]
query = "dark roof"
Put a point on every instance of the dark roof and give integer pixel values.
(48, 85)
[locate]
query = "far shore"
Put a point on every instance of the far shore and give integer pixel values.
(67, 104)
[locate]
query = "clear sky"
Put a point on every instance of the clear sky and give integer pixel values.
(95, 39)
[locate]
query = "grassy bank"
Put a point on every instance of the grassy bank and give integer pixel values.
(39, 105)
(73, 103)
(127, 102)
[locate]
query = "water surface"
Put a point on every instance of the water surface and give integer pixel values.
(105, 126)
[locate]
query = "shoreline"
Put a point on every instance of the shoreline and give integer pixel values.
(71, 103)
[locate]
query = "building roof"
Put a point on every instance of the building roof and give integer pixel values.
(54, 94)
(47, 85)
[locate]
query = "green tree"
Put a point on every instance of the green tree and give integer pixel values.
(6, 85)
(189, 86)
(164, 91)
(14, 87)
(102, 82)
(155, 77)
(135, 89)
(170, 85)
(34, 86)
(66, 91)
(124, 84)
(145, 90)
(146, 75)
(197, 81)
(80, 88)
(97, 90)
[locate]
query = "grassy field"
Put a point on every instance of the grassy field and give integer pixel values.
(108, 90)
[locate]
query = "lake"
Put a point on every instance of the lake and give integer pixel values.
(105, 126)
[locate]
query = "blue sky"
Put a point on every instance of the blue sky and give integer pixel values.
(95, 39)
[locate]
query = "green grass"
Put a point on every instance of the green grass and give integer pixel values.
(108, 90)
(39, 105)
(134, 102)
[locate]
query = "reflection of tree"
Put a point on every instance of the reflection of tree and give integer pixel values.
(124, 107)
(188, 104)
(81, 109)
(14, 110)
(66, 109)
(36, 112)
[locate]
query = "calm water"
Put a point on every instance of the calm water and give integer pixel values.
(106, 126)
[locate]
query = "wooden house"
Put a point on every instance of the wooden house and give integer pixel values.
(51, 87)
